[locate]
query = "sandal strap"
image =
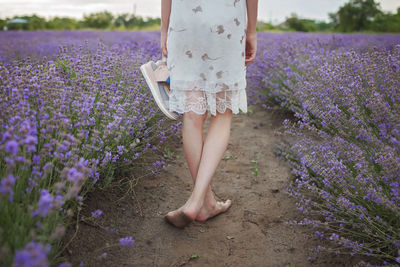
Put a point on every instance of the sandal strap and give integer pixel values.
(161, 73)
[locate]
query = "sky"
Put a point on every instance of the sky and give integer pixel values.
(268, 10)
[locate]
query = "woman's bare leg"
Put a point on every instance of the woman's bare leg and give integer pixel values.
(214, 148)
(201, 204)
(192, 135)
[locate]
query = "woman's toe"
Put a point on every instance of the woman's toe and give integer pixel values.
(225, 205)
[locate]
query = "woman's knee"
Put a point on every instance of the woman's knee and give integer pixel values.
(227, 114)
(194, 118)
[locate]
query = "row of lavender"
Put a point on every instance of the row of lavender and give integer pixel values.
(71, 119)
(344, 147)
(40, 45)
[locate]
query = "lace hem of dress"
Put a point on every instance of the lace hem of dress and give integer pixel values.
(199, 102)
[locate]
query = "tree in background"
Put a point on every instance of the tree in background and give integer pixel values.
(121, 20)
(63, 23)
(35, 22)
(356, 15)
(265, 26)
(99, 20)
(298, 24)
(387, 22)
(3, 22)
(294, 22)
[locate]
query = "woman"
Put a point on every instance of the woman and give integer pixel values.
(208, 45)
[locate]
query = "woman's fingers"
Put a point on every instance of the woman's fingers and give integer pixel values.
(251, 48)
(164, 38)
(164, 52)
(250, 56)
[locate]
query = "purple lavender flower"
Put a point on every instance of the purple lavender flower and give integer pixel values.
(65, 264)
(34, 254)
(12, 147)
(58, 201)
(30, 141)
(45, 204)
(120, 150)
(6, 186)
(96, 214)
(74, 175)
(126, 241)
(106, 158)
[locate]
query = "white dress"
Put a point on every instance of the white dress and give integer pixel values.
(206, 56)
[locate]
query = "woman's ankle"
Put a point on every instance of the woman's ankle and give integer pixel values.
(194, 205)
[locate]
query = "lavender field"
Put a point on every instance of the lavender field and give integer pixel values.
(76, 114)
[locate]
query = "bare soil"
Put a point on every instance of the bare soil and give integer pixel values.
(253, 232)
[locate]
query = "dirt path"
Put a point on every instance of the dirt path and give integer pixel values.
(252, 232)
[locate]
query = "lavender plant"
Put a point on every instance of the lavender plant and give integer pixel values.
(282, 58)
(348, 158)
(66, 125)
(344, 148)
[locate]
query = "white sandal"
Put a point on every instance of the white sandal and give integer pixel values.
(157, 78)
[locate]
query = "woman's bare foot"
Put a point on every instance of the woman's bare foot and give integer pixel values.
(212, 209)
(178, 218)
(185, 214)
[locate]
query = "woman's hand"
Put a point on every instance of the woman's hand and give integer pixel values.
(164, 51)
(251, 47)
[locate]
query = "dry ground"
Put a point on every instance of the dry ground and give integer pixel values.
(253, 232)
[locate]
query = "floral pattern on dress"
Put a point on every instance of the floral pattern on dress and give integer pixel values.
(206, 60)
